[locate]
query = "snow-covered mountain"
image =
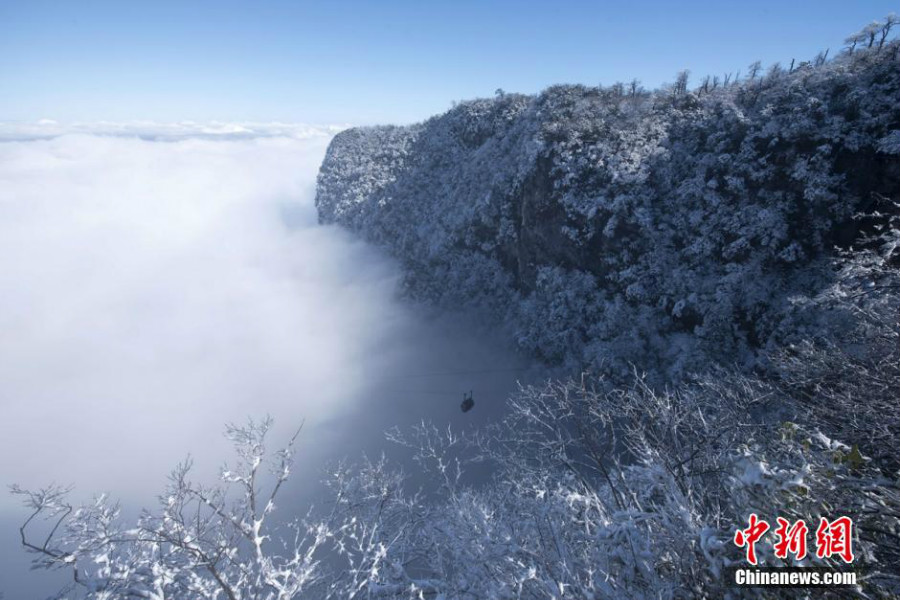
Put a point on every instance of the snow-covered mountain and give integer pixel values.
(669, 229)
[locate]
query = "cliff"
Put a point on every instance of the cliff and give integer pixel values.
(612, 226)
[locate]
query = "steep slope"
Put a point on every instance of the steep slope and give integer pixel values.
(668, 230)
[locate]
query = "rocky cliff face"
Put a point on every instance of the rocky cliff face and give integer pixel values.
(667, 230)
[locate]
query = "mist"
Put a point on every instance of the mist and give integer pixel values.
(158, 281)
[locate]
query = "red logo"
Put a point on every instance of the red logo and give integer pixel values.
(833, 538)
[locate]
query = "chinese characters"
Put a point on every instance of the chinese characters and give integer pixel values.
(832, 538)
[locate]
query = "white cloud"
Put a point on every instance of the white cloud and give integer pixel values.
(150, 292)
(152, 130)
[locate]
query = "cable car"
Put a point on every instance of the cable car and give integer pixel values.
(467, 403)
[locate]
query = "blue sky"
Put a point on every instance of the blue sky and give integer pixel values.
(377, 61)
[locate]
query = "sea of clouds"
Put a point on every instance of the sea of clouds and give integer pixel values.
(161, 131)
(159, 280)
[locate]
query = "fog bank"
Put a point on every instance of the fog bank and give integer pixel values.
(153, 287)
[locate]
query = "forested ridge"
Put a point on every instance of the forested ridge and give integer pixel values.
(615, 226)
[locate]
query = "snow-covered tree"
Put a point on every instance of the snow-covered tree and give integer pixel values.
(201, 542)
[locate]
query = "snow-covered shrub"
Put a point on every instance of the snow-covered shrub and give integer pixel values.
(201, 542)
(595, 490)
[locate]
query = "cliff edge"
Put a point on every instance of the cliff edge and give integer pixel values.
(612, 226)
